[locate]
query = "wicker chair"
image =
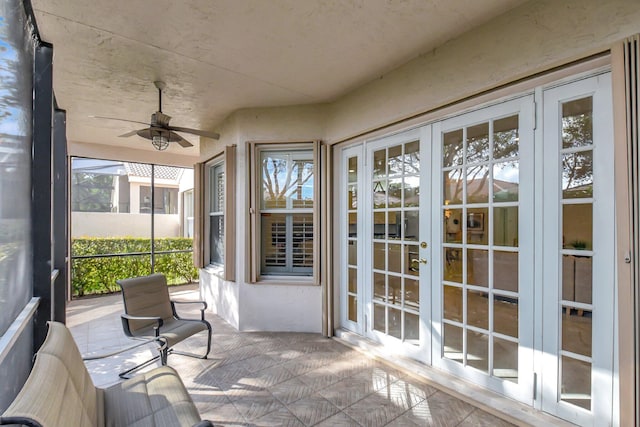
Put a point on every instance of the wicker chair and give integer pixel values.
(149, 313)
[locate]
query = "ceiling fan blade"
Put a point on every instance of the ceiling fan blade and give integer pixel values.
(204, 133)
(183, 142)
(122, 120)
(128, 134)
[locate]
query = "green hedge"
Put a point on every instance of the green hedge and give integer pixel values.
(98, 275)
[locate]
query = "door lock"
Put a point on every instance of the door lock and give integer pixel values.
(421, 261)
(423, 245)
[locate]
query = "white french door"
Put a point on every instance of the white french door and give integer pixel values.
(396, 243)
(483, 244)
(483, 297)
(579, 252)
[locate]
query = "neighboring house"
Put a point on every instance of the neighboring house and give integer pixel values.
(102, 191)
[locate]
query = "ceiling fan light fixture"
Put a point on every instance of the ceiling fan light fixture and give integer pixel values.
(160, 142)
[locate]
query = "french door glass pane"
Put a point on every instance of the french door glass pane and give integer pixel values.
(576, 329)
(395, 181)
(480, 206)
(351, 217)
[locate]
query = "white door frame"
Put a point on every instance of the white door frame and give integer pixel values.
(603, 252)
(421, 351)
(524, 107)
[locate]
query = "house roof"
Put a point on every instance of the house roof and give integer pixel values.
(161, 172)
(220, 56)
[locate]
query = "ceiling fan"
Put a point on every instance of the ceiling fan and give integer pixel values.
(159, 131)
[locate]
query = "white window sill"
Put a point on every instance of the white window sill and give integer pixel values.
(215, 269)
(286, 280)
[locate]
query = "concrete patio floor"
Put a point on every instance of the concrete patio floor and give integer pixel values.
(275, 379)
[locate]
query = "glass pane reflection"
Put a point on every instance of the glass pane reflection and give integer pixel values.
(452, 187)
(576, 382)
(411, 191)
(412, 157)
(505, 226)
(379, 287)
(452, 149)
(353, 169)
(353, 308)
(352, 197)
(577, 226)
(505, 315)
(452, 342)
(505, 271)
(506, 178)
(379, 255)
(505, 137)
(478, 309)
(478, 184)
(411, 225)
(453, 265)
(505, 360)
(411, 326)
(411, 294)
(395, 160)
(577, 331)
(577, 123)
(577, 175)
(352, 250)
(395, 192)
(379, 318)
(478, 267)
(478, 350)
(478, 143)
(452, 303)
(353, 280)
(452, 225)
(379, 163)
(394, 258)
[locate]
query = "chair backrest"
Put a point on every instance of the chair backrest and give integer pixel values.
(146, 296)
(59, 390)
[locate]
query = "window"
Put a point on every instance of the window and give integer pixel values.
(214, 224)
(216, 213)
(187, 213)
(165, 200)
(285, 221)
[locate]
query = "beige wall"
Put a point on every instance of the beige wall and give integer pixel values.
(105, 224)
(532, 38)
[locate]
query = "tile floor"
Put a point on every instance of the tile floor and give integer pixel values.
(275, 379)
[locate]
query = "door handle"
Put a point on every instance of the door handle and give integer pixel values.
(421, 261)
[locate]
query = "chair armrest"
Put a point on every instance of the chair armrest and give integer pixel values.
(175, 313)
(161, 341)
(204, 423)
(126, 318)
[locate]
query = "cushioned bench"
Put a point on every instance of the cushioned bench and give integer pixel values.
(60, 393)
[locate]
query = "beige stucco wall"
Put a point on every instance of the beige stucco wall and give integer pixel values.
(106, 224)
(535, 37)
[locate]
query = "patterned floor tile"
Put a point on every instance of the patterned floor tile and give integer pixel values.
(438, 410)
(338, 420)
(347, 392)
(480, 418)
(374, 411)
(254, 407)
(291, 390)
(276, 379)
(319, 378)
(313, 409)
(280, 418)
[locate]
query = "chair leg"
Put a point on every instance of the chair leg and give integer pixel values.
(125, 374)
(210, 332)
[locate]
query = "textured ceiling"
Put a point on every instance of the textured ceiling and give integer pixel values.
(217, 56)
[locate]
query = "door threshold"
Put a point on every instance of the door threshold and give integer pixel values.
(487, 400)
